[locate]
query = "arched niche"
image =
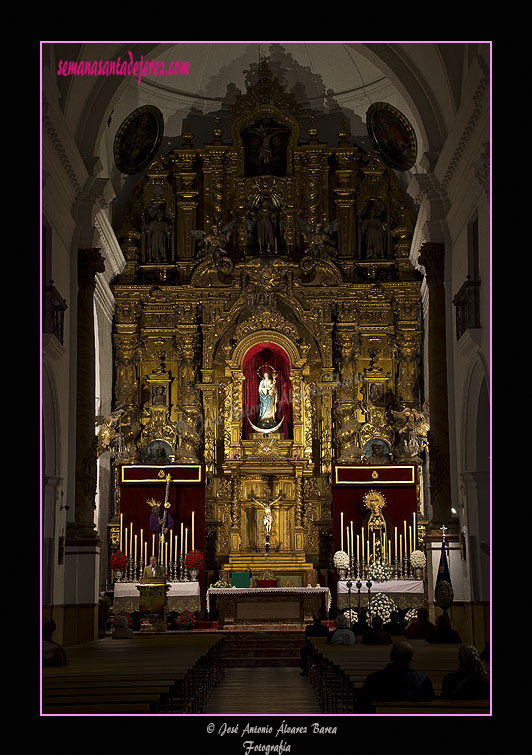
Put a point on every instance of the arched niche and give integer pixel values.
(266, 356)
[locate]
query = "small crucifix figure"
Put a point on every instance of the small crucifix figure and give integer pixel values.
(267, 504)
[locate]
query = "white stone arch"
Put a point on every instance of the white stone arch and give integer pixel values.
(477, 378)
(52, 482)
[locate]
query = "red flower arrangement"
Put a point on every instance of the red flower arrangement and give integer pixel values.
(194, 560)
(185, 619)
(118, 560)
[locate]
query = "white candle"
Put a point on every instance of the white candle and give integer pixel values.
(342, 531)
(153, 553)
(125, 541)
(351, 540)
(146, 553)
(358, 548)
(192, 539)
(182, 538)
(171, 545)
(135, 559)
(415, 530)
(186, 540)
(175, 546)
(121, 528)
(141, 543)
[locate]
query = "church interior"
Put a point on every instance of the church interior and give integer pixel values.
(265, 377)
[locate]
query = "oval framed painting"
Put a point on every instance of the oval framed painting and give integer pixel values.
(392, 135)
(138, 139)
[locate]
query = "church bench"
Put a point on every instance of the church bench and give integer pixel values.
(83, 699)
(98, 709)
(433, 707)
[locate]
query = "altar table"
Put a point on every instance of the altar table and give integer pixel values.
(407, 593)
(180, 597)
(242, 606)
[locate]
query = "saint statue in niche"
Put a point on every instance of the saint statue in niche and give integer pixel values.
(158, 237)
(268, 398)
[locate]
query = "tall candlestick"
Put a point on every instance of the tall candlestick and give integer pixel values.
(415, 530)
(125, 541)
(182, 542)
(410, 537)
(186, 540)
(141, 542)
(352, 539)
(400, 547)
(342, 531)
(367, 551)
(121, 528)
(347, 540)
(395, 529)
(362, 541)
(135, 559)
(358, 548)
(165, 554)
(131, 538)
(192, 538)
(153, 553)
(146, 553)
(171, 542)
(405, 541)
(175, 546)
(389, 551)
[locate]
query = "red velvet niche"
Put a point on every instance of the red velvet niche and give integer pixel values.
(273, 356)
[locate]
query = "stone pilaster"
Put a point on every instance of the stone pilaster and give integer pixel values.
(90, 262)
(432, 257)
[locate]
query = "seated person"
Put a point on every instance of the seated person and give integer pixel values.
(397, 681)
(395, 625)
(122, 631)
(376, 635)
(316, 629)
(53, 654)
(470, 682)
(342, 635)
(153, 569)
(443, 632)
(420, 628)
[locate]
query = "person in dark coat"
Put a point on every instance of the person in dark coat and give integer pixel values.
(420, 628)
(395, 625)
(443, 633)
(316, 629)
(470, 682)
(376, 635)
(397, 681)
(53, 654)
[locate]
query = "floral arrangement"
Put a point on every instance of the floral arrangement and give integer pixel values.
(118, 560)
(418, 559)
(411, 615)
(341, 560)
(115, 617)
(185, 619)
(381, 605)
(220, 583)
(380, 572)
(351, 614)
(194, 560)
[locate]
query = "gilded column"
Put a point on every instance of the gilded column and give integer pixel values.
(432, 257)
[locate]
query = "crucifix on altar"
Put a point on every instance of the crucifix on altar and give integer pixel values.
(267, 504)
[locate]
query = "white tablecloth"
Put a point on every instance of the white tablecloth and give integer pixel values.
(265, 590)
(181, 595)
(394, 585)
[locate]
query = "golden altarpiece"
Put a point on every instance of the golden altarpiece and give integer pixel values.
(266, 237)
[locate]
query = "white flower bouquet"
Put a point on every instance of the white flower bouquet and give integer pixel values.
(220, 583)
(341, 560)
(380, 572)
(411, 615)
(351, 614)
(418, 560)
(381, 605)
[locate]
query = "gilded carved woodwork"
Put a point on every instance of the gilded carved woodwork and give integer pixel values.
(348, 319)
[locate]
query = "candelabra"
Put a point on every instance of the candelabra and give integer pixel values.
(368, 585)
(129, 572)
(182, 576)
(359, 587)
(349, 585)
(358, 566)
(396, 574)
(141, 569)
